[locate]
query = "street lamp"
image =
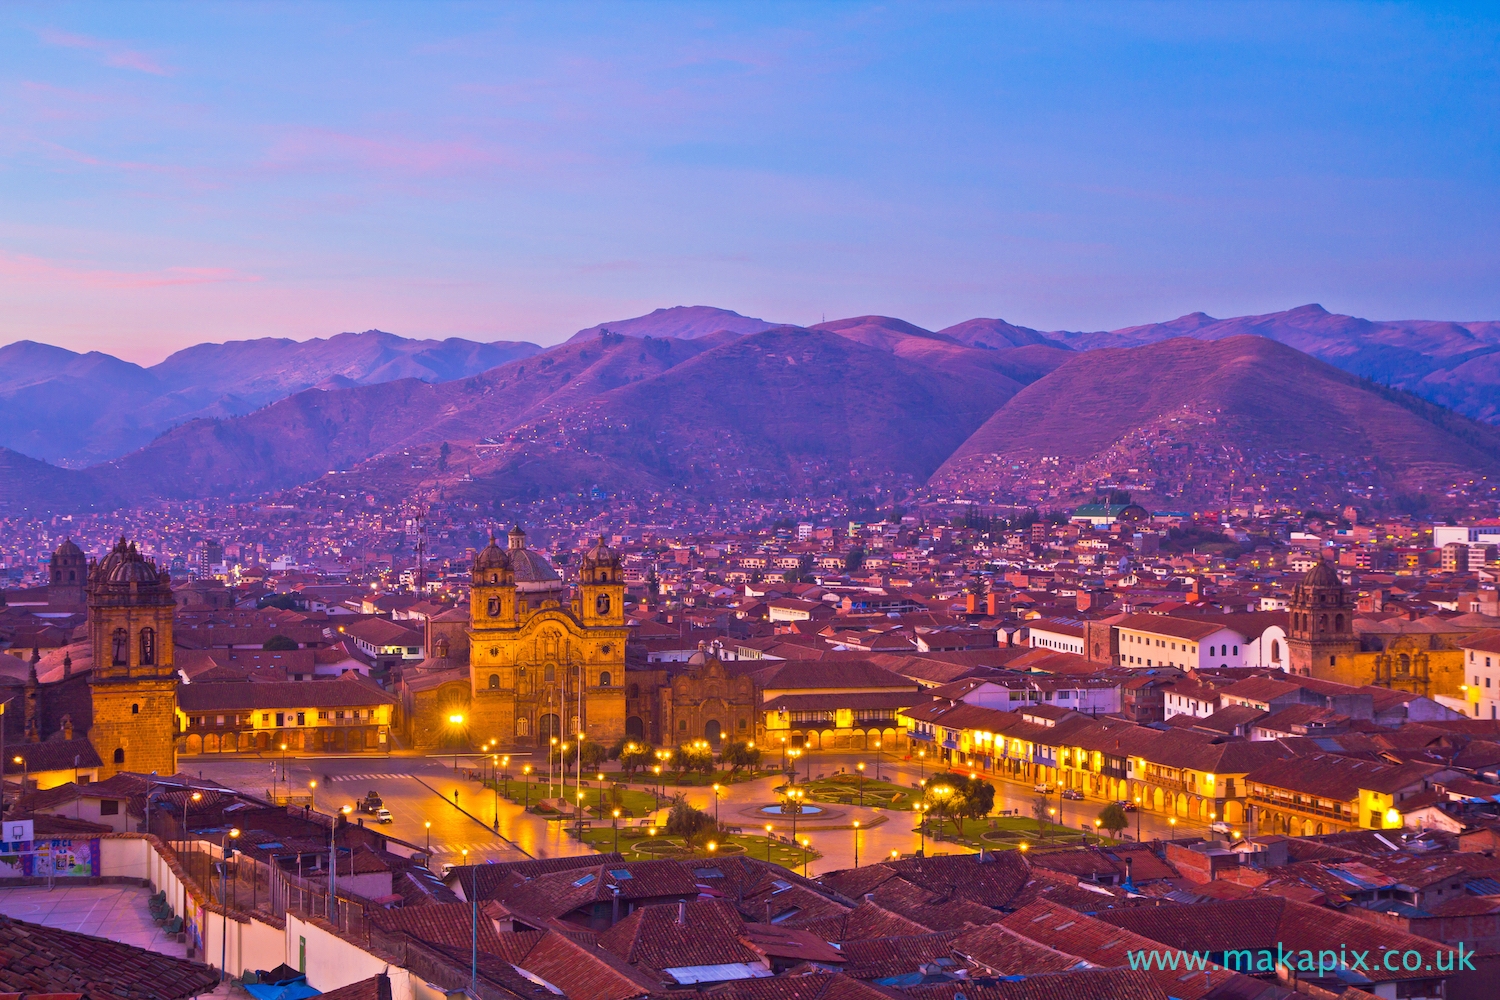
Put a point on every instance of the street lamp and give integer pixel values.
(429, 838)
(495, 785)
(1137, 819)
(600, 778)
(25, 771)
(860, 767)
(942, 793)
(806, 851)
(1097, 836)
(922, 762)
(920, 808)
(505, 774)
(878, 754)
(1051, 824)
(312, 793)
(1172, 821)
(526, 774)
(283, 762)
(455, 720)
(716, 803)
(856, 843)
(616, 825)
(224, 900)
(768, 842)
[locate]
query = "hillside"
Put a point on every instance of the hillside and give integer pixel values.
(995, 334)
(1242, 417)
(82, 408)
(680, 322)
(1454, 364)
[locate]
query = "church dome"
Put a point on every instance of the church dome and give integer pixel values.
(532, 567)
(108, 564)
(491, 557)
(601, 555)
(68, 550)
(136, 570)
(1321, 575)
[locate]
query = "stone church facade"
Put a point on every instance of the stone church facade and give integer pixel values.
(536, 660)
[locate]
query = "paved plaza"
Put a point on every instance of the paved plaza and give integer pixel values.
(117, 912)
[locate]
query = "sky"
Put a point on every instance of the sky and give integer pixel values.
(178, 173)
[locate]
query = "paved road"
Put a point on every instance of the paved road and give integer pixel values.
(420, 790)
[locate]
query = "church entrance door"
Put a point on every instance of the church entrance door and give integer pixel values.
(712, 732)
(547, 727)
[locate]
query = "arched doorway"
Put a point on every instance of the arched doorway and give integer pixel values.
(635, 729)
(712, 731)
(547, 727)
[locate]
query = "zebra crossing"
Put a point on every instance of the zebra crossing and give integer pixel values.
(365, 777)
(476, 851)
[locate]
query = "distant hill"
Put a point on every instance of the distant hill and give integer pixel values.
(681, 322)
(83, 408)
(1455, 364)
(1192, 419)
(996, 334)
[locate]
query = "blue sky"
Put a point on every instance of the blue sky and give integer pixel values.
(171, 174)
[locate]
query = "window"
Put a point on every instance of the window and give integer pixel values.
(148, 646)
(322, 716)
(549, 673)
(494, 682)
(135, 709)
(121, 652)
(301, 718)
(218, 720)
(741, 724)
(119, 755)
(109, 807)
(601, 606)
(604, 679)
(682, 725)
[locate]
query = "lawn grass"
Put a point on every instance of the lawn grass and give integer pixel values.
(632, 802)
(845, 789)
(1010, 832)
(637, 845)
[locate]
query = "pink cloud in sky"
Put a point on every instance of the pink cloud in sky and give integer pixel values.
(22, 267)
(112, 53)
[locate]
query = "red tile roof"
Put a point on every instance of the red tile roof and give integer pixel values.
(36, 959)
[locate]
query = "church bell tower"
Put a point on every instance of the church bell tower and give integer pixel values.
(134, 682)
(1322, 626)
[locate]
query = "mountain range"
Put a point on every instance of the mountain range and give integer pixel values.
(707, 399)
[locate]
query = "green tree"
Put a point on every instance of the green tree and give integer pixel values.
(737, 754)
(443, 454)
(633, 756)
(855, 560)
(696, 756)
(1039, 807)
(1112, 818)
(959, 797)
(280, 643)
(694, 826)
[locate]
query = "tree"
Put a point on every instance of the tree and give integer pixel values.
(696, 756)
(692, 825)
(965, 798)
(855, 560)
(737, 754)
(1112, 818)
(633, 756)
(1039, 807)
(443, 454)
(280, 643)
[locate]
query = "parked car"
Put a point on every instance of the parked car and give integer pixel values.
(1219, 826)
(1072, 793)
(1042, 787)
(1127, 805)
(369, 803)
(383, 815)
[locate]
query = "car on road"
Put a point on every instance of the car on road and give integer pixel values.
(1042, 787)
(1127, 805)
(1072, 794)
(383, 815)
(1219, 826)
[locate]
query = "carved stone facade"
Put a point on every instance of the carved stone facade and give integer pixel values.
(1322, 625)
(544, 660)
(133, 684)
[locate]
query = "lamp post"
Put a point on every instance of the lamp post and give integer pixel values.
(1172, 823)
(768, 843)
(1137, 819)
(1098, 837)
(505, 773)
(922, 762)
(496, 786)
(615, 822)
(526, 774)
(656, 789)
(806, 845)
(920, 808)
(429, 838)
(860, 767)
(25, 773)
(716, 803)
(856, 843)
(550, 754)
(455, 721)
(942, 793)
(1051, 824)
(312, 793)
(600, 778)
(878, 754)
(333, 864)
(224, 900)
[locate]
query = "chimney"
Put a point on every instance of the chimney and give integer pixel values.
(67, 727)
(614, 905)
(67, 665)
(682, 911)
(768, 910)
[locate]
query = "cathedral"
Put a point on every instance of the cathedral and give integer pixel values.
(531, 660)
(116, 708)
